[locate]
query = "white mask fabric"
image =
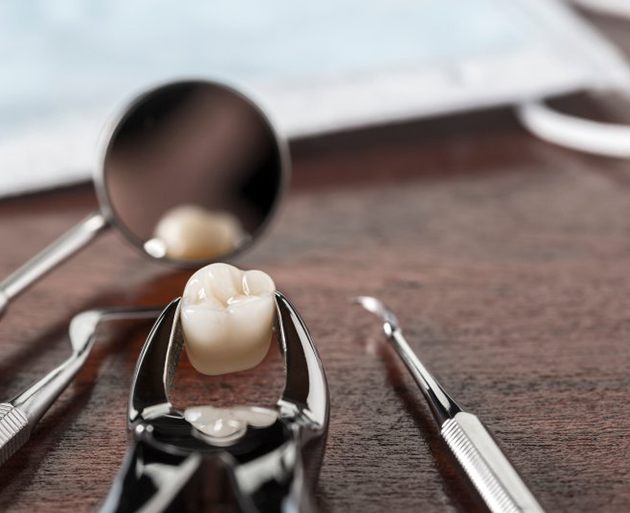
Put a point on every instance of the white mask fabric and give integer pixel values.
(316, 67)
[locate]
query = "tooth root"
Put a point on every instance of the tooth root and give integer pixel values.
(227, 317)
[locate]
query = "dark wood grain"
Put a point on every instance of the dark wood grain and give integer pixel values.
(506, 259)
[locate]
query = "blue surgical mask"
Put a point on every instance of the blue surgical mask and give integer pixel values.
(316, 66)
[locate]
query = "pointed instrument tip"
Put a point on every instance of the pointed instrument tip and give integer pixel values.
(378, 308)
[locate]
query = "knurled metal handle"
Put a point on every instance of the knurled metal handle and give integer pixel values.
(14, 430)
(491, 473)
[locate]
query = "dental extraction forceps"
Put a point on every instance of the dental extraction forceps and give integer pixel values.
(494, 477)
(171, 467)
(19, 416)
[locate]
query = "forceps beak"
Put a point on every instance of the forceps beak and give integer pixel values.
(156, 366)
(303, 405)
(306, 388)
(305, 392)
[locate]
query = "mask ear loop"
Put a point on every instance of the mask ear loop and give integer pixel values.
(598, 138)
(606, 139)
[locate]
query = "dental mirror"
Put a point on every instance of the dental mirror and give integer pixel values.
(191, 173)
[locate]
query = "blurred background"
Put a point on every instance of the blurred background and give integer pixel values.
(69, 67)
(420, 175)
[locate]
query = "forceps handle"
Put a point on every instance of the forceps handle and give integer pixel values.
(19, 416)
(494, 477)
(15, 430)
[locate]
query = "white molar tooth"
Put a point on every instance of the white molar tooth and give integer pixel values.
(227, 318)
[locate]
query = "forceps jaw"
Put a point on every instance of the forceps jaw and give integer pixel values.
(305, 393)
(156, 365)
(305, 399)
(303, 409)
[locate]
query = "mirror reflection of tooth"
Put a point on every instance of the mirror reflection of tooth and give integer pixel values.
(227, 318)
(215, 422)
(226, 425)
(191, 232)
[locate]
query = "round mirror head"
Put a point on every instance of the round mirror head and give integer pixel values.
(192, 172)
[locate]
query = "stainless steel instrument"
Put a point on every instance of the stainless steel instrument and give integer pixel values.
(191, 142)
(482, 460)
(170, 466)
(19, 416)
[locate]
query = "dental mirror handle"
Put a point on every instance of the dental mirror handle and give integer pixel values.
(64, 247)
(489, 470)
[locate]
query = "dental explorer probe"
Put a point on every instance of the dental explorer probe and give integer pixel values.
(494, 477)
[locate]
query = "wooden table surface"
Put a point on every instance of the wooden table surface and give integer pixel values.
(506, 259)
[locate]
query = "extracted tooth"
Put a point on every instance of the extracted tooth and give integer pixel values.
(227, 318)
(191, 232)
